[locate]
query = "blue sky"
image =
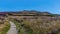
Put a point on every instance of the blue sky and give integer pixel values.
(52, 6)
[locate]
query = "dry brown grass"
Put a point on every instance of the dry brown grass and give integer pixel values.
(4, 27)
(41, 25)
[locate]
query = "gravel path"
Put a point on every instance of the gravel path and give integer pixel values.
(13, 29)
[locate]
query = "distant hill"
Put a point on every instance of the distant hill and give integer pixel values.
(30, 13)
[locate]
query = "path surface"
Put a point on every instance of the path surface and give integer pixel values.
(13, 29)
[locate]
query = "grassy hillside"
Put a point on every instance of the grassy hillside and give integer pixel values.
(36, 22)
(4, 27)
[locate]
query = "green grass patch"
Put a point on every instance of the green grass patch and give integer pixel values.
(5, 29)
(16, 23)
(22, 29)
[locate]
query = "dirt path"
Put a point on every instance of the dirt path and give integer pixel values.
(13, 29)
